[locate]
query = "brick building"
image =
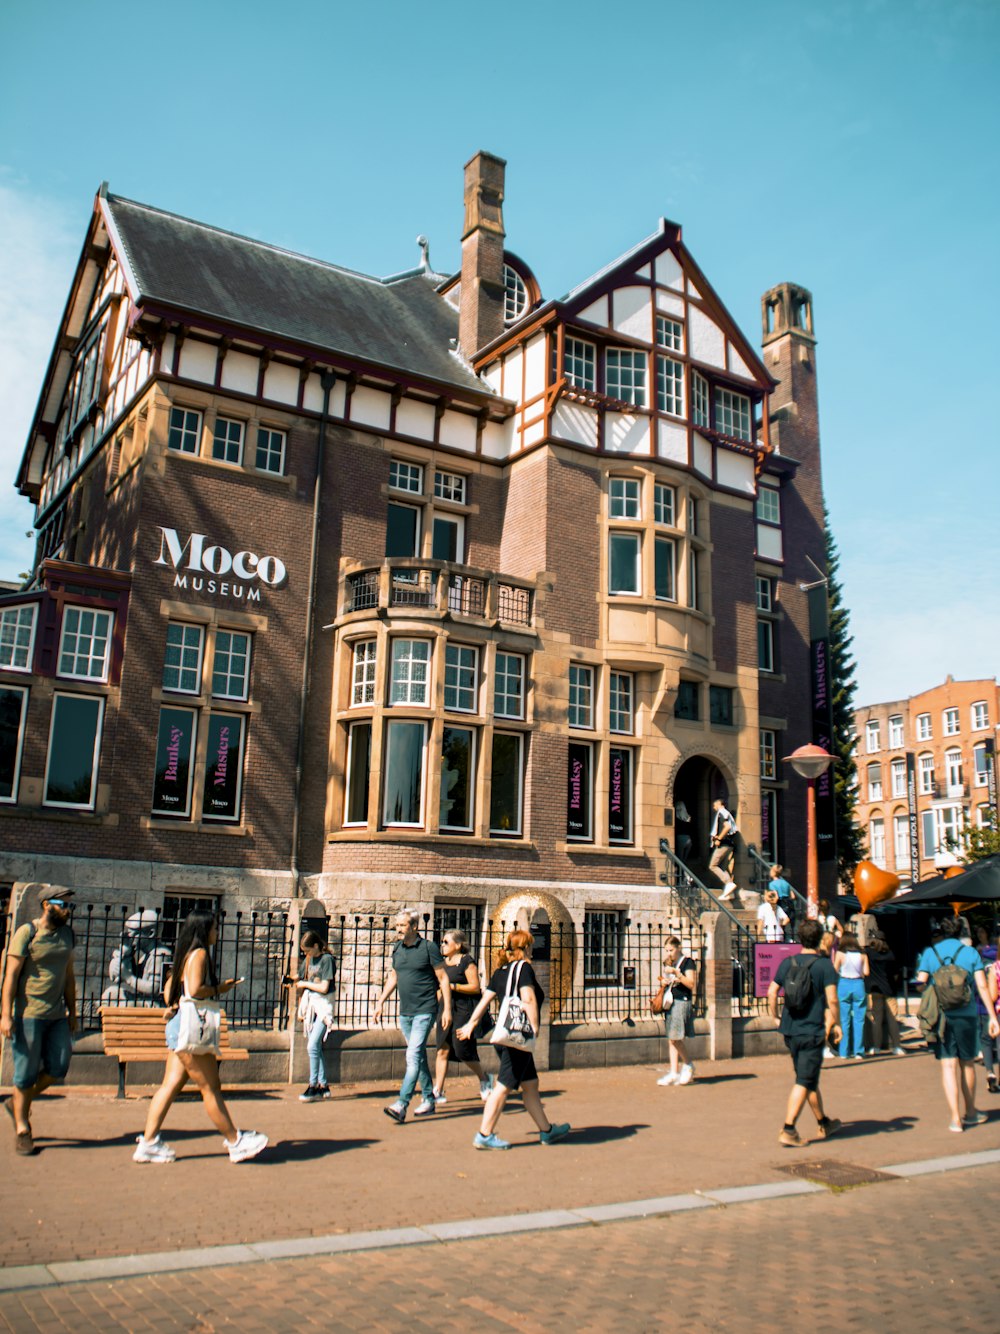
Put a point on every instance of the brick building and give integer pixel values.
(426, 589)
(926, 771)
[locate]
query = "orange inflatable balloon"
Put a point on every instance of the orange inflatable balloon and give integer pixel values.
(872, 885)
(952, 871)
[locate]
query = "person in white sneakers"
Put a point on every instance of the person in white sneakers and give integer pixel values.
(680, 974)
(723, 840)
(465, 993)
(193, 975)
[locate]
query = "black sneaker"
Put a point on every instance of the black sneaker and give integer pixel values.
(312, 1094)
(324, 1090)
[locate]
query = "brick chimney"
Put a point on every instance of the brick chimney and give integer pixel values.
(480, 318)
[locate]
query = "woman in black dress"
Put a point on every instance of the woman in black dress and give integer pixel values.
(463, 976)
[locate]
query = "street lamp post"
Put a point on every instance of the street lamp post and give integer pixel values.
(809, 762)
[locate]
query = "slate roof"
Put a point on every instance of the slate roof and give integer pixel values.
(400, 322)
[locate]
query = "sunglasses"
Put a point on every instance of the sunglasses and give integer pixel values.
(58, 903)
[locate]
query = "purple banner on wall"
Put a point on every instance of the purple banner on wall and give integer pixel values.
(766, 960)
(223, 768)
(822, 721)
(578, 789)
(911, 806)
(172, 775)
(620, 796)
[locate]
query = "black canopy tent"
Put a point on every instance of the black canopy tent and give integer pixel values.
(978, 883)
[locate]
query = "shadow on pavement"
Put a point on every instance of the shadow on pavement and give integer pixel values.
(858, 1129)
(113, 1141)
(306, 1150)
(604, 1134)
(720, 1079)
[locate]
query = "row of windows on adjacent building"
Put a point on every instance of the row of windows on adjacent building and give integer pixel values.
(186, 434)
(623, 373)
(923, 730)
(211, 665)
(942, 829)
(926, 773)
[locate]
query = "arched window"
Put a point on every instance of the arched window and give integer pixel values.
(515, 295)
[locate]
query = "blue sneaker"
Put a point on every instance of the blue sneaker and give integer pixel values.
(554, 1133)
(482, 1141)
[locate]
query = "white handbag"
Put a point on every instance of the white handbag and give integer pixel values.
(200, 1022)
(513, 1027)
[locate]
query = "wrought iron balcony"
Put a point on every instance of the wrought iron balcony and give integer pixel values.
(441, 587)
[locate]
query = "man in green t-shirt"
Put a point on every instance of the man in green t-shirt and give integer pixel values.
(38, 1008)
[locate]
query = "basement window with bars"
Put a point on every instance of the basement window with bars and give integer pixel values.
(603, 936)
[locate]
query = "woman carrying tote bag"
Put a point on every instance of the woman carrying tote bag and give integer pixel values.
(192, 1036)
(517, 1065)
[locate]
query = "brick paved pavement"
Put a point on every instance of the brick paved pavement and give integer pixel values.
(873, 1258)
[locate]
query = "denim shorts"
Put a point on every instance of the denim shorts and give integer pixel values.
(172, 1031)
(41, 1046)
(960, 1038)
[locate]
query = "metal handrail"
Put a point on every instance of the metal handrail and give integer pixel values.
(765, 866)
(686, 886)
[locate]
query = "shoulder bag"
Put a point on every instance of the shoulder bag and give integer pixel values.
(661, 1002)
(513, 1027)
(200, 1022)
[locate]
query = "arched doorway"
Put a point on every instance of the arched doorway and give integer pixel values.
(554, 948)
(698, 782)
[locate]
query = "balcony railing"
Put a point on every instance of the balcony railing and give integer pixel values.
(437, 586)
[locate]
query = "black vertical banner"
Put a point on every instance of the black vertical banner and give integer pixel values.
(822, 720)
(989, 746)
(914, 823)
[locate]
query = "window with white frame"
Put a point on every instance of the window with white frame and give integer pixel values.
(665, 505)
(942, 829)
(405, 476)
(458, 779)
(625, 375)
(897, 776)
(182, 660)
(925, 773)
(74, 749)
(624, 498)
(873, 736)
(363, 672)
(17, 637)
(515, 295)
(506, 784)
(874, 782)
(768, 754)
(461, 673)
(603, 945)
(581, 695)
(876, 840)
(508, 689)
(358, 773)
(768, 504)
(895, 731)
(449, 486)
(765, 645)
(901, 841)
(670, 386)
(665, 568)
(85, 644)
(732, 414)
(231, 667)
(270, 450)
(953, 768)
(184, 431)
(227, 440)
(13, 712)
(949, 722)
(980, 765)
(621, 705)
(923, 727)
(410, 672)
(624, 551)
(403, 777)
(984, 815)
(765, 593)
(980, 715)
(699, 399)
(669, 333)
(580, 363)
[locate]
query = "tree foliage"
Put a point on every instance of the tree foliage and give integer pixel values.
(850, 838)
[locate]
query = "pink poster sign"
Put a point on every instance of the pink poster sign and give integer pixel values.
(766, 958)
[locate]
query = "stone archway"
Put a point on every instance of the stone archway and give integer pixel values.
(697, 782)
(552, 927)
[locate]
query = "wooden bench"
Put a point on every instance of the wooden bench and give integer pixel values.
(135, 1033)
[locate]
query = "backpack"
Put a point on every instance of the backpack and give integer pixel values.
(799, 990)
(948, 988)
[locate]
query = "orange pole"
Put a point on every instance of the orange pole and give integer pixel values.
(812, 852)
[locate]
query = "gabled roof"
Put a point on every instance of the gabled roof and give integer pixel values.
(400, 323)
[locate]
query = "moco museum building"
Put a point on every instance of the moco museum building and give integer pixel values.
(426, 590)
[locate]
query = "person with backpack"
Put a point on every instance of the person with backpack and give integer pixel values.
(38, 1009)
(810, 1018)
(419, 973)
(947, 970)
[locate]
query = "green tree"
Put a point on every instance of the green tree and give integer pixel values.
(978, 843)
(850, 838)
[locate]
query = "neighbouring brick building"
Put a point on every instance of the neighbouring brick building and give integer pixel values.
(927, 772)
(424, 589)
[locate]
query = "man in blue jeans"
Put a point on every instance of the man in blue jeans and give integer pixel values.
(418, 972)
(38, 1008)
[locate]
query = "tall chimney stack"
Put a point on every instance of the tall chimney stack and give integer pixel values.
(480, 318)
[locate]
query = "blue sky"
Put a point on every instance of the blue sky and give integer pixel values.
(849, 146)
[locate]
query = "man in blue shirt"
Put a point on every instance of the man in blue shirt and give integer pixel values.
(786, 899)
(958, 1045)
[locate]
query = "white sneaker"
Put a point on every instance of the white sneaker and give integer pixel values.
(667, 1080)
(152, 1151)
(439, 1097)
(728, 892)
(486, 1086)
(247, 1144)
(686, 1074)
(828, 1054)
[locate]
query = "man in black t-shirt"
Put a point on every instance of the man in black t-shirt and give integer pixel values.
(806, 1027)
(419, 972)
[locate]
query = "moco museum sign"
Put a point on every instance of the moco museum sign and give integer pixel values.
(203, 566)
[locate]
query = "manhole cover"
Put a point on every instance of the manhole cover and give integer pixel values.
(827, 1172)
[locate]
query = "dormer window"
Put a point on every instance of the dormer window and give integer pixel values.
(515, 295)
